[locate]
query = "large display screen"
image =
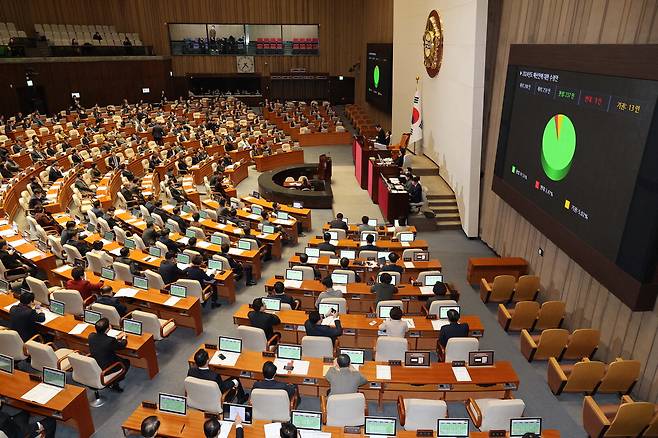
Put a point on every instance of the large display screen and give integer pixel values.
(379, 72)
(574, 147)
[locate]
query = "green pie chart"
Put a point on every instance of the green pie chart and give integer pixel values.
(558, 147)
(375, 76)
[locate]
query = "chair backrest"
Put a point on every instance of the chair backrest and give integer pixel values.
(203, 395)
(342, 303)
(41, 355)
(435, 307)
(108, 312)
(72, 300)
(199, 232)
(86, 370)
(389, 348)
(317, 346)
(224, 237)
(307, 272)
(173, 225)
(458, 348)
(162, 246)
(584, 376)
(397, 303)
(423, 414)
(409, 253)
(145, 212)
(104, 226)
(524, 316)
(499, 412)
(551, 343)
(550, 315)
(270, 404)
(367, 254)
(620, 376)
(120, 235)
(191, 253)
(193, 288)
(253, 338)
(139, 243)
(351, 275)
(72, 254)
(39, 289)
(582, 343)
(422, 275)
(95, 262)
(346, 410)
(150, 323)
(631, 419)
(503, 287)
(11, 345)
(154, 279)
(526, 288)
(342, 234)
(122, 272)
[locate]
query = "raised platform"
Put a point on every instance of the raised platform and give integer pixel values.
(270, 186)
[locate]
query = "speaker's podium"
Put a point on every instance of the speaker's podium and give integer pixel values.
(362, 150)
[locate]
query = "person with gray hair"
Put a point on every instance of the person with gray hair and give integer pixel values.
(343, 377)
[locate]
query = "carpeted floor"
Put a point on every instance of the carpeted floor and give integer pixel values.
(452, 248)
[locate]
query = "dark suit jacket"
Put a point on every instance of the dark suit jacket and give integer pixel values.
(157, 132)
(392, 268)
(205, 375)
(338, 224)
(148, 236)
(170, 272)
(196, 273)
(286, 299)
(103, 348)
(171, 245)
(384, 292)
(368, 248)
(265, 321)
(326, 246)
(453, 330)
(24, 320)
(323, 330)
(181, 223)
(273, 384)
(114, 302)
(54, 175)
(415, 194)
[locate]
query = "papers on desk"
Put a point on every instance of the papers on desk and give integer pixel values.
(115, 251)
(79, 328)
(405, 244)
(280, 363)
(149, 259)
(17, 242)
(427, 290)
(139, 223)
(235, 251)
(42, 393)
(409, 265)
(62, 269)
(438, 323)
(119, 211)
(49, 316)
(461, 374)
(313, 434)
(8, 308)
(221, 226)
(126, 292)
(254, 217)
(106, 242)
(272, 430)
(334, 262)
(383, 372)
(313, 260)
(33, 254)
(292, 284)
(340, 287)
(7, 233)
(113, 333)
(182, 266)
(284, 221)
(184, 240)
(230, 358)
(204, 244)
(6, 222)
(225, 429)
(172, 301)
(300, 367)
(410, 322)
(330, 320)
(334, 242)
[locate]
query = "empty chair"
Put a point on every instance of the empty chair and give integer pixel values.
(620, 376)
(500, 291)
(72, 254)
(224, 237)
(527, 288)
(368, 254)
(342, 303)
(551, 315)
(120, 235)
(122, 272)
(420, 413)
(550, 343)
(203, 395)
(458, 348)
(271, 404)
(629, 420)
(12, 345)
(522, 316)
(40, 290)
(103, 225)
(159, 328)
(342, 410)
(317, 346)
(253, 338)
(307, 272)
(154, 280)
(409, 253)
(96, 262)
(194, 289)
(191, 253)
(87, 372)
(422, 275)
(162, 246)
(582, 376)
(390, 348)
(581, 343)
(199, 232)
(173, 226)
(494, 414)
(340, 233)
(108, 312)
(73, 302)
(45, 355)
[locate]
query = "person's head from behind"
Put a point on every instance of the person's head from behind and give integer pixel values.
(439, 288)
(269, 370)
(288, 430)
(364, 220)
(327, 282)
(211, 428)
(124, 252)
(97, 245)
(402, 221)
(26, 298)
(78, 273)
(326, 237)
(453, 315)
(385, 278)
(339, 216)
(196, 217)
(393, 257)
(303, 257)
(170, 255)
(102, 325)
(344, 262)
(396, 313)
(370, 239)
(314, 317)
(191, 242)
(257, 304)
(343, 360)
(197, 260)
(150, 426)
(279, 288)
(201, 358)
(70, 225)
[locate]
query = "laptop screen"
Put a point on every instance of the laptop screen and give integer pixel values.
(217, 265)
(326, 308)
(230, 411)
(141, 282)
(133, 327)
(92, 317)
(4, 285)
(382, 426)
(107, 273)
(90, 227)
(307, 420)
(443, 311)
(431, 280)
(520, 426)
(190, 233)
(109, 236)
(384, 311)
(312, 252)
(255, 209)
(233, 345)
(57, 307)
(176, 290)
(203, 214)
(333, 234)
(186, 208)
(348, 254)
(272, 304)
(416, 358)
(244, 245)
(293, 274)
(268, 229)
(174, 404)
(129, 243)
(452, 428)
(183, 258)
(155, 251)
(480, 358)
(54, 377)
(216, 240)
(356, 356)
(383, 255)
(282, 215)
(372, 222)
(297, 205)
(6, 364)
(406, 237)
(339, 278)
(287, 351)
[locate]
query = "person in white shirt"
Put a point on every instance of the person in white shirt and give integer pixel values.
(395, 326)
(97, 249)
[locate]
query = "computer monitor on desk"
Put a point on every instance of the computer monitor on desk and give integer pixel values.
(6, 364)
(174, 404)
(289, 351)
(294, 274)
(272, 304)
(380, 426)
(348, 254)
(312, 252)
(339, 278)
(452, 428)
(357, 357)
(431, 280)
(520, 426)
(233, 345)
(307, 420)
(443, 311)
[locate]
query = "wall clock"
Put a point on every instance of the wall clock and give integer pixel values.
(245, 64)
(433, 44)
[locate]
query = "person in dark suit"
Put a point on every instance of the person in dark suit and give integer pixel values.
(23, 318)
(10, 260)
(415, 191)
(54, 173)
(124, 257)
(179, 220)
(68, 232)
(149, 427)
(149, 235)
(314, 327)
(326, 245)
(194, 272)
(441, 292)
(303, 261)
(171, 245)
(237, 268)
(158, 133)
(384, 290)
(212, 428)
(381, 135)
(365, 226)
(453, 330)
(178, 195)
(19, 426)
(345, 265)
(113, 162)
(338, 222)
(201, 370)
(370, 244)
(391, 265)
(280, 294)
(260, 319)
(269, 371)
(97, 209)
(107, 299)
(169, 270)
(103, 349)
(288, 430)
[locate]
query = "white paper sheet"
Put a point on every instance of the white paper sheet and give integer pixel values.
(410, 322)
(383, 372)
(313, 434)
(42, 393)
(235, 251)
(106, 242)
(17, 242)
(409, 265)
(253, 216)
(313, 260)
(272, 430)
(334, 262)
(126, 292)
(225, 429)
(115, 251)
(204, 244)
(79, 328)
(113, 333)
(329, 320)
(7, 233)
(461, 374)
(49, 316)
(427, 290)
(33, 254)
(438, 323)
(172, 301)
(340, 287)
(405, 244)
(300, 367)
(184, 240)
(280, 364)
(182, 266)
(230, 358)
(293, 284)
(63, 268)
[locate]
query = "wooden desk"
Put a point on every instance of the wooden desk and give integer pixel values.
(417, 382)
(301, 214)
(358, 296)
(358, 330)
(239, 172)
(70, 406)
(375, 169)
(269, 162)
(382, 245)
(361, 152)
(140, 349)
(382, 230)
(392, 203)
(9, 205)
(489, 267)
(44, 260)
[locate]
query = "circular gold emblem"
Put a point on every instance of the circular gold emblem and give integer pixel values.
(433, 44)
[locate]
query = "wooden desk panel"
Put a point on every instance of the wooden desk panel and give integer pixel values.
(489, 267)
(269, 162)
(382, 245)
(239, 172)
(303, 214)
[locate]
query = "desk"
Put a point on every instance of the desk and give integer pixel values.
(269, 162)
(9, 201)
(375, 169)
(489, 267)
(358, 330)
(140, 349)
(382, 245)
(417, 382)
(393, 203)
(301, 214)
(44, 260)
(69, 406)
(362, 153)
(382, 230)
(239, 172)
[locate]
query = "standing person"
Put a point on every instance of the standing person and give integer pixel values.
(158, 134)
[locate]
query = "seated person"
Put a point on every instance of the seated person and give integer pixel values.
(344, 378)
(303, 261)
(338, 223)
(384, 290)
(150, 234)
(68, 232)
(107, 299)
(327, 245)
(288, 430)
(24, 319)
(97, 249)
(402, 225)
(370, 244)
(103, 348)
(363, 226)
(196, 221)
(179, 220)
(201, 370)
(280, 293)
(124, 257)
(10, 260)
(149, 427)
(212, 428)
(237, 267)
(163, 237)
(415, 191)
(195, 272)
(43, 218)
(394, 326)
(169, 270)
(345, 265)
(85, 287)
(78, 242)
(314, 326)
(269, 371)
(329, 291)
(390, 265)
(261, 319)
(19, 425)
(441, 292)
(454, 329)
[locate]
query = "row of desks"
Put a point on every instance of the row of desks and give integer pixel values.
(381, 244)
(280, 159)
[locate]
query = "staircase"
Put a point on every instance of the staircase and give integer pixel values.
(444, 207)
